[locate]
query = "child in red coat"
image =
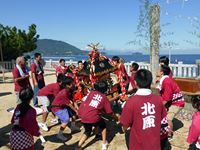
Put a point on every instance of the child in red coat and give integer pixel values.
(62, 69)
(163, 60)
(60, 107)
(143, 114)
(24, 123)
(171, 95)
(134, 69)
(194, 134)
(90, 112)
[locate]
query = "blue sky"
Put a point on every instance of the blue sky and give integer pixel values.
(110, 22)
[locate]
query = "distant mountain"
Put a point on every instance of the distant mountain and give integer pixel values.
(49, 47)
(137, 54)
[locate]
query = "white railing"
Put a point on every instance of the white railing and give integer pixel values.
(142, 65)
(179, 69)
(49, 64)
(7, 65)
(184, 70)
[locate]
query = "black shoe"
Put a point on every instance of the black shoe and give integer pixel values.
(170, 137)
(98, 136)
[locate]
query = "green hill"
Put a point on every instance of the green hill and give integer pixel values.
(50, 47)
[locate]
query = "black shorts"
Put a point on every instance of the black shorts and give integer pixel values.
(165, 144)
(119, 88)
(88, 126)
(71, 112)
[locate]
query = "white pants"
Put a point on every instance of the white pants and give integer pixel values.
(44, 101)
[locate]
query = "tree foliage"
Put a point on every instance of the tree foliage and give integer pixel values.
(143, 26)
(142, 33)
(195, 22)
(15, 41)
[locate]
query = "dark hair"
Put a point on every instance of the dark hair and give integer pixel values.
(135, 66)
(196, 102)
(80, 61)
(65, 80)
(68, 80)
(27, 57)
(62, 78)
(25, 95)
(101, 86)
(164, 59)
(165, 69)
(143, 78)
(115, 58)
(61, 60)
(36, 55)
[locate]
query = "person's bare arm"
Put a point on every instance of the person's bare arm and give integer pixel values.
(76, 105)
(21, 78)
(114, 98)
(124, 128)
(35, 83)
(72, 107)
(115, 116)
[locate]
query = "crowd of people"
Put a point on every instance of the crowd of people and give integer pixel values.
(144, 115)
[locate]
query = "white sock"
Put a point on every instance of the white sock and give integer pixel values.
(198, 145)
(42, 139)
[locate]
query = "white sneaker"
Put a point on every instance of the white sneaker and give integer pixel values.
(62, 137)
(105, 146)
(74, 128)
(43, 126)
(197, 145)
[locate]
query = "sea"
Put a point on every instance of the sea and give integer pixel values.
(185, 58)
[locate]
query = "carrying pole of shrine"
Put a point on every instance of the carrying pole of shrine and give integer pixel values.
(154, 39)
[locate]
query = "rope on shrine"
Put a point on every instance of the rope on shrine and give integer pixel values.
(78, 95)
(122, 84)
(93, 55)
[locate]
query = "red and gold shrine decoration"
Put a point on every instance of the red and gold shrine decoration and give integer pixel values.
(93, 55)
(123, 95)
(79, 83)
(97, 65)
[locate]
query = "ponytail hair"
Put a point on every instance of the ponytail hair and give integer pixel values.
(25, 96)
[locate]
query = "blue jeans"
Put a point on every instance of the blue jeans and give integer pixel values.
(35, 99)
(36, 89)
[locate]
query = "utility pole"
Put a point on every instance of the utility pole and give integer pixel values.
(154, 39)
